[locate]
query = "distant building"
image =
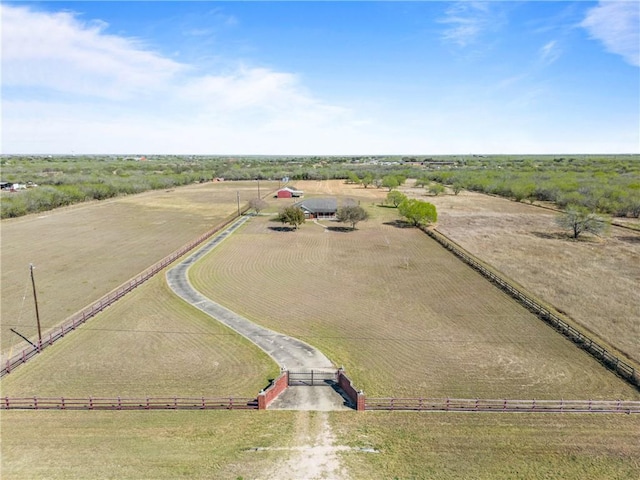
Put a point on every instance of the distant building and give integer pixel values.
(289, 192)
(318, 207)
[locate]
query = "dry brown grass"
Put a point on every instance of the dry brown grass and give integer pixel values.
(81, 253)
(106, 354)
(593, 280)
(403, 315)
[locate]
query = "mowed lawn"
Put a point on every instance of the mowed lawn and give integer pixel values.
(403, 315)
(490, 446)
(83, 252)
(593, 280)
(150, 343)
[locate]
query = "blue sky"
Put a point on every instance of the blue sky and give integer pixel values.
(320, 78)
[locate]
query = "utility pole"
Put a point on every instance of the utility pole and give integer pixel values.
(238, 195)
(259, 189)
(35, 299)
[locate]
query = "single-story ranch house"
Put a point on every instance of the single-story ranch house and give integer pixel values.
(318, 207)
(289, 192)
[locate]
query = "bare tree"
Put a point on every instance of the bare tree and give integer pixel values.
(257, 204)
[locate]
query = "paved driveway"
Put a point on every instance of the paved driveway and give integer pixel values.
(289, 353)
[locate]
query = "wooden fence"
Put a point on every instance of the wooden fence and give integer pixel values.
(168, 403)
(481, 405)
(623, 369)
(81, 317)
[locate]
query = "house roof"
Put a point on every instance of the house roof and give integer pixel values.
(319, 205)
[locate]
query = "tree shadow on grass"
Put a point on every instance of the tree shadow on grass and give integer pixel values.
(399, 224)
(282, 229)
(340, 229)
(630, 239)
(584, 238)
(551, 236)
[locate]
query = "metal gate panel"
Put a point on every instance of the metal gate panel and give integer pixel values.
(312, 378)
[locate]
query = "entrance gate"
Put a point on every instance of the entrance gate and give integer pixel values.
(310, 378)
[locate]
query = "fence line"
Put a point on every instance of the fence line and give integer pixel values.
(81, 317)
(118, 403)
(503, 405)
(626, 371)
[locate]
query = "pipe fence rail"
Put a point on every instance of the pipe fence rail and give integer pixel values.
(118, 403)
(110, 298)
(623, 369)
(503, 405)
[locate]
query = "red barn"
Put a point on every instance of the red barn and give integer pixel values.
(288, 192)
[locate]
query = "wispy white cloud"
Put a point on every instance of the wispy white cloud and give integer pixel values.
(617, 26)
(467, 21)
(550, 52)
(61, 53)
(119, 87)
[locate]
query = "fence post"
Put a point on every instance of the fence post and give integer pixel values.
(6, 402)
(147, 406)
(90, 402)
(62, 403)
(8, 366)
(203, 404)
(119, 403)
(35, 403)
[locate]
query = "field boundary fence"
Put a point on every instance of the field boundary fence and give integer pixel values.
(118, 403)
(503, 405)
(110, 298)
(611, 361)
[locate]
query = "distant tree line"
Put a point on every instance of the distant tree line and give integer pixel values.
(609, 188)
(604, 184)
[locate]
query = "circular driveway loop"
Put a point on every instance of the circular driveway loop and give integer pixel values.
(290, 353)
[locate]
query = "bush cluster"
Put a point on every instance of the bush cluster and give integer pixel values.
(607, 186)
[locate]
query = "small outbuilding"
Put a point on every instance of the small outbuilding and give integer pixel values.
(319, 207)
(289, 192)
